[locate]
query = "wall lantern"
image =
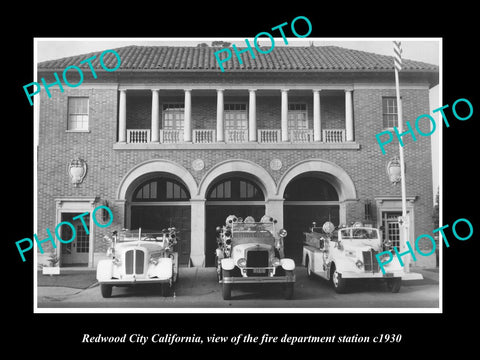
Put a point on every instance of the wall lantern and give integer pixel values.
(77, 169)
(394, 171)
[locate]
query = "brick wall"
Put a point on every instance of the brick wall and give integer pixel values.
(106, 167)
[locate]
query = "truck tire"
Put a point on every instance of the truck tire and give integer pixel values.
(226, 288)
(394, 284)
(339, 283)
(106, 290)
(289, 286)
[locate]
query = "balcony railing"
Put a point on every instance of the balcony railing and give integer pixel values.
(269, 136)
(208, 136)
(204, 136)
(138, 136)
(236, 136)
(301, 136)
(171, 136)
(333, 135)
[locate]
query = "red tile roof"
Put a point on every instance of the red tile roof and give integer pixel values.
(281, 58)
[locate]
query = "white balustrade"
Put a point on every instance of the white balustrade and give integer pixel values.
(333, 135)
(171, 136)
(269, 135)
(204, 136)
(236, 136)
(301, 136)
(138, 136)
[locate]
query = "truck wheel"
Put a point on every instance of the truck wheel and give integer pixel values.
(106, 290)
(226, 288)
(339, 283)
(309, 268)
(394, 284)
(289, 286)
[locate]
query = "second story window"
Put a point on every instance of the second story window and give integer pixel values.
(390, 112)
(77, 114)
(297, 116)
(173, 116)
(236, 117)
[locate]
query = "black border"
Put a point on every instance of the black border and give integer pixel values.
(429, 332)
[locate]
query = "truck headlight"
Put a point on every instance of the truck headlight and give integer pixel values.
(116, 261)
(153, 261)
(282, 233)
(359, 264)
(242, 262)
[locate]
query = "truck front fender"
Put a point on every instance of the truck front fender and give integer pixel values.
(228, 264)
(163, 270)
(104, 270)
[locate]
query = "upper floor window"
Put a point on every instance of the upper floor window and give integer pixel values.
(390, 112)
(77, 113)
(173, 116)
(297, 116)
(236, 117)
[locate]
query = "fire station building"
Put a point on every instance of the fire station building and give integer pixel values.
(169, 140)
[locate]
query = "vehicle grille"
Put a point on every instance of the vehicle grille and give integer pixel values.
(257, 258)
(139, 256)
(370, 262)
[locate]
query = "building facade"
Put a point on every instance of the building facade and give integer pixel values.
(170, 140)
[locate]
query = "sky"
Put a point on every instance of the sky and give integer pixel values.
(421, 49)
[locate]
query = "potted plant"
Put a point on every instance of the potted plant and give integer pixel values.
(53, 267)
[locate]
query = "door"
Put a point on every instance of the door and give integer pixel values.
(391, 228)
(158, 217)
(298, 219)
(216, 215)
(76, 252)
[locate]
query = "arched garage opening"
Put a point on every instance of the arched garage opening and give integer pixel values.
(308, 197)
(160, 200)
(231, 194)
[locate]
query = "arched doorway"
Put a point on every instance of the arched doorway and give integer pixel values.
(159, 201)
(235, 194)
(308, 197)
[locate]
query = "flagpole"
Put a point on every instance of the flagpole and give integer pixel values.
(405, 226)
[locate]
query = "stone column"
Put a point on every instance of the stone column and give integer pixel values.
(197, 231)
(317, 127)
(122, 118)
(274, 208)
(349, 115)
(252, 116)
(187, 121)
(284, 118)
(220, 125)
(155, 136)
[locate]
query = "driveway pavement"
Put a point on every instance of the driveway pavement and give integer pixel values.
(198, 289)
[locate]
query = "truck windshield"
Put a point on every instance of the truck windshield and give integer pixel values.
(359, 233)
(144, 235)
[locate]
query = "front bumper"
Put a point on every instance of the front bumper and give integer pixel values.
(134, 281)
(258, 279)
